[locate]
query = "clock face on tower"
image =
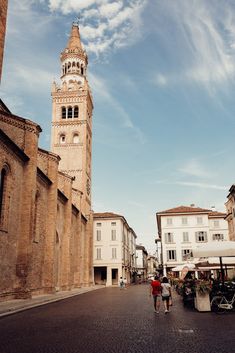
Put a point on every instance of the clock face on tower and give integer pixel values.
(88, 187)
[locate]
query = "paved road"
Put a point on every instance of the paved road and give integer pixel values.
(111, 320)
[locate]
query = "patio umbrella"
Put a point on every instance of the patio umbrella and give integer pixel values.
(217, 249)
(180, 267)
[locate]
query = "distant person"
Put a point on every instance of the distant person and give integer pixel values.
(166, 294)
(121, 283)
(156, 290)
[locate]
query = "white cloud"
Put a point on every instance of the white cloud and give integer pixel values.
(91, 33)
(104, 24)
(67, 6)
(111, 9)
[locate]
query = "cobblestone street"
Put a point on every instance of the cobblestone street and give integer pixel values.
(116, 321)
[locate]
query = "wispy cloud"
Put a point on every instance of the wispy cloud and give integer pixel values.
(159, 79)
(193, 184)
(105, 24)
(136, 204)
(213, 57)
(194, 168)
(102, 90)
(201, 185)
(23, 18)
(205, 38)
(31, 77)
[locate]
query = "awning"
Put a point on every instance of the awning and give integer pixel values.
(218, 248)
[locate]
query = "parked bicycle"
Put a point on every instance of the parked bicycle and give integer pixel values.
(219, 304)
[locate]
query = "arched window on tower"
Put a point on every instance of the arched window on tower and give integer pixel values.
(69, 66)
(82, 70)
(62, 139)
(70, 112)
(63, 112)
(76, 138)
(75, 112)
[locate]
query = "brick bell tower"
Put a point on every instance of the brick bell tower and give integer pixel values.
(72, 117)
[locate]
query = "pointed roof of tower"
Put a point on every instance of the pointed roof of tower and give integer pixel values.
(74, 39)
(74, 45)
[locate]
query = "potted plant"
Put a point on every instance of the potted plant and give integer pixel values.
(202, 299)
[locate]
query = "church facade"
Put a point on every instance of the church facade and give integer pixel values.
(46, 220)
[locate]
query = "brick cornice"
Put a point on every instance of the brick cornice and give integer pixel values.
(21, 123)
(68, 123)
(48, 155)
(13, 147)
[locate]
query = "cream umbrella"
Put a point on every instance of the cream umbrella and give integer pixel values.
(217, 249)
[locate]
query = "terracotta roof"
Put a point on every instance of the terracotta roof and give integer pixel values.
(107, 215)
(185, 209)
(216, 214)
(111, 215)
(190, 209)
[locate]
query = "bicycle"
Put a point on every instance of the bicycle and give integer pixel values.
(219, 304)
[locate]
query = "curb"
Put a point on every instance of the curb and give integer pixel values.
(27, 306)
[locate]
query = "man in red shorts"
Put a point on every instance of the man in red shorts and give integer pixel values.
(156, 290)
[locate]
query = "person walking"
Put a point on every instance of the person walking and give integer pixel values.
(155, 290)
(121, 283)
(166, 294)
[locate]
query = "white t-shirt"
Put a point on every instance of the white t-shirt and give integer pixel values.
(165, 289)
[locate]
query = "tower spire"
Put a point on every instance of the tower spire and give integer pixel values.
(73, 58)
(74, 39)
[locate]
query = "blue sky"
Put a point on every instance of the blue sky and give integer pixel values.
(162, 75)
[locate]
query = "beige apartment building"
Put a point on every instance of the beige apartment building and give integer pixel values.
(114, 249)
(183, 228)
(45, 215)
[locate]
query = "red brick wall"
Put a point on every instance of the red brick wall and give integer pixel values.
(3, 18)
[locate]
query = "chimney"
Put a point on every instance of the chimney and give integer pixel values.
(192, 205)
(213, 209)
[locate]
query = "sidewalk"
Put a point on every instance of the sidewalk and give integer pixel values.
(16, 305)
